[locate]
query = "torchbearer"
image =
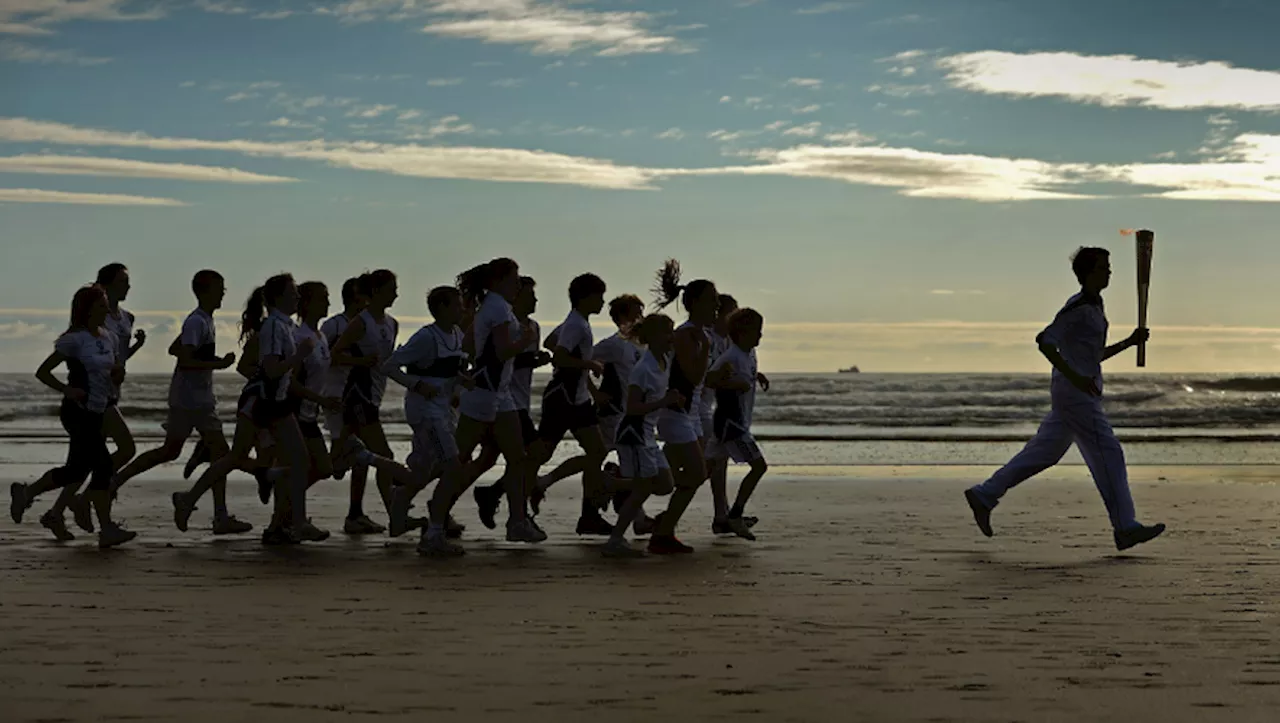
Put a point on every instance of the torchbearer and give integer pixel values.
(1076, 344)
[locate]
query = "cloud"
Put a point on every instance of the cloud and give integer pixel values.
(408, 115)
(726, 99)
(286, 122)
(35, 17)
(507, 83)
(370, 111)
(849, 137)
(465, 163)
(1115, 80)
(812, 108)
(1246, 169)
(953, 292)
(549, 27)
(826, 8)
(242, 95)
(24, 53)
(126, 168)
(14, 330)
(920, 174)
(222, 8)
(671, 134)
(442, 82)
(34, 195)
(811, 83)
(898, 90)
(808, 130)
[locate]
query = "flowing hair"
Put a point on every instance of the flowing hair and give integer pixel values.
(476, 281)
(255, 310)
(668, 288)
(82, 304)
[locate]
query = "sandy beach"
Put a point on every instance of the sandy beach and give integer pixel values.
(870, 596)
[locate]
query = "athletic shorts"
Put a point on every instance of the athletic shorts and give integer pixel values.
(264, 413)
(360, 414)
(528, 430)
(182, 422)
(742, 450)
(609, 430)
(705, 424)
(640, 462)
(434, 442)
(507, 402)
(310, 429)
(480, 404)
(560, 417)
(675, 427)
(333, 423)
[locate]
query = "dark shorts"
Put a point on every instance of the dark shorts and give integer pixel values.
(310, 430)
(528, 431)
(559, 418)
(360, 414)
(264, 413)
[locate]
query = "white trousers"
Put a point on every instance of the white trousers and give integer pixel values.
(1084, 423)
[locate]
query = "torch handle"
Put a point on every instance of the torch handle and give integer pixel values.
(1142, 322)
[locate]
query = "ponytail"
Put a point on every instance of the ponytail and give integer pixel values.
(476, 281)
(255, 310)
(472, 284)
(667, 288)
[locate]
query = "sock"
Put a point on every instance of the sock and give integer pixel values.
(435, 530)
(356, 510)
(736, 511)
(220, 511)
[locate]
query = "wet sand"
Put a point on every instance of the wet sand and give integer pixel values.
(869, 597)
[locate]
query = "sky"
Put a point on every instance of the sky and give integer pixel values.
(896, 184)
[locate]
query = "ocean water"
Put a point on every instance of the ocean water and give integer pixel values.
(848, 419)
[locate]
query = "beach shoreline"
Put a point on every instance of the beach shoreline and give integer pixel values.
(869, 596)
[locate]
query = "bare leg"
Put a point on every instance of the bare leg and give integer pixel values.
(688, 471)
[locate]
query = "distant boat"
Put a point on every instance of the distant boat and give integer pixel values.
(850, 370)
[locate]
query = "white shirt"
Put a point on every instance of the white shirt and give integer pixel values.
(736, 407)
(427, 354)
(619, 356)
(120, 326)
(719, 345)
(336, 379)
(313, 374)
(89, 362)
(651, 378)
(522, 369)
(1079, 332)
(379, 339)
(275, 338)
(492, 373)
(575, 337)
(193, 388)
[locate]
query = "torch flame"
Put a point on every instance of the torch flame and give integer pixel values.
(1127, 232)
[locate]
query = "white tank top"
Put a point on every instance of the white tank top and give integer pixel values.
(379, 339)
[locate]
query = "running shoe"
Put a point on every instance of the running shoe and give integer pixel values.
(181, 511)
(229, 525)
(361, 525)
(82, 512)
(619, 548)
(1137, 535)
(594, 525)
(524, 531)
(17, 501)
(57, 525)
(660, 545)
(113, 534)
(439, 546)
(487, 503)
(307, 532)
